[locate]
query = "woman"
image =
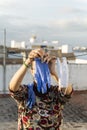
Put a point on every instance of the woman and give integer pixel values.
(39, 104)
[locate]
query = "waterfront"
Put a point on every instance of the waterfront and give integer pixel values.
(13, 59)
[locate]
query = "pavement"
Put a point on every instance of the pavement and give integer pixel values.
(75, 112)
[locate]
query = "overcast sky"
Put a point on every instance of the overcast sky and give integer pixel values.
(62, 20)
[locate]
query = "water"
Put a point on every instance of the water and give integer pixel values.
(81, 55)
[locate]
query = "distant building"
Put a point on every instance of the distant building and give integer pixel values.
(55, 42)
(15, 44)
(65, 49)
(20, 45)
(32, 39)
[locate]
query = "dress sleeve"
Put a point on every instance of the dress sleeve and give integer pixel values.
(21, 94)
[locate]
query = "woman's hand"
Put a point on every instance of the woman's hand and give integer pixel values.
(45, 57)
(37, 53)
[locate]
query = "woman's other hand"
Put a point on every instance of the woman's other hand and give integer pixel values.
(36, 53)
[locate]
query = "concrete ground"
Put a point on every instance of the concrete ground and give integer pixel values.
(75, 113)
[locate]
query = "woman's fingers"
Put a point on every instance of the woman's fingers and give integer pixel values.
(39, 53)
(45, 58)
(36, 53)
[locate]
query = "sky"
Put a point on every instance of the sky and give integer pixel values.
(62, 20)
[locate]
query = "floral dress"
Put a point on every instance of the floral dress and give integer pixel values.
(46, 114)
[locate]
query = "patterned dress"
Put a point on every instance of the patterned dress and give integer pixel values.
(46, 114)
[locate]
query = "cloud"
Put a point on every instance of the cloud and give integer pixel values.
(72, 25)
(7, 3)
(83, 1)
(46, 18)
(73, 10)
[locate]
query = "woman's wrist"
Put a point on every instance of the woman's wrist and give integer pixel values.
(27, 63)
